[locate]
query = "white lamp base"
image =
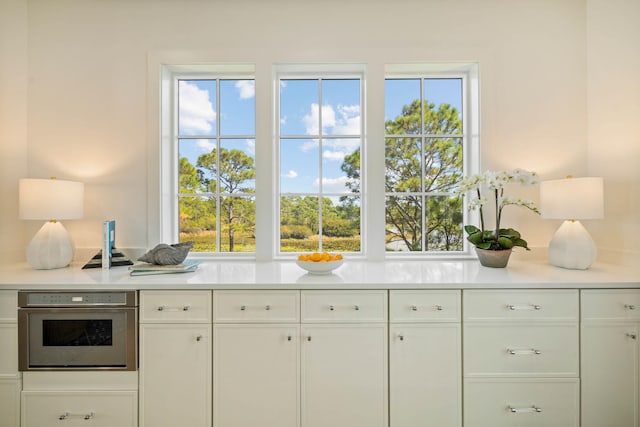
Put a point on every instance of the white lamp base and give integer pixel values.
(572, 247)
(51, 247)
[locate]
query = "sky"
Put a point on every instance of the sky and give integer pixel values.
(314, 139)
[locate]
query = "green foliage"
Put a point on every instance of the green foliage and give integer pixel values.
(505, 238)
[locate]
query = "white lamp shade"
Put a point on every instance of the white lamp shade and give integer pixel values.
(572, 198)
(50, 199)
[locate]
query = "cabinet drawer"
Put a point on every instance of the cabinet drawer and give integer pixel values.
(343, 306)
(424, 306)
(552, 305)
(98, 409)
(611, 304)
(8, 306)
(521, 350)
(175, 307)
(521, 403)
(256, 306)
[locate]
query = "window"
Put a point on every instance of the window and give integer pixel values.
(215, 143)
(302, 170)
(425, 140)
(320, 145)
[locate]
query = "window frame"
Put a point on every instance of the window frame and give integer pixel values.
(318, 72)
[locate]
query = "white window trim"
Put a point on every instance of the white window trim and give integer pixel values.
(162, 64)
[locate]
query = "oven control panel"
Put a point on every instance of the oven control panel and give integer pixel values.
(76, 299)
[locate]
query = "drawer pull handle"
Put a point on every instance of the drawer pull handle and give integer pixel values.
(199, 338)
(267, 307)
(524, 307)
(630, 306)
(289, 338)
(414, 308)
(525, 352)
(631, 335)
(71, 415)
(331, 307)
(528, 410)
(166, 308)
(438, 308)
(401, 337)
(243, 307)
(356, 307)
(309, 338)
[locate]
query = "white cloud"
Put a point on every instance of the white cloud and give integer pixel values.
(251, 146)
(342, 120)
(333, 185)
(205, 145)
(291, 174)
(196, 111)
(333, 155)
(246, 88)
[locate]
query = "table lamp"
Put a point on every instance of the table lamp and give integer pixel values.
(572, 199)
(52, 200)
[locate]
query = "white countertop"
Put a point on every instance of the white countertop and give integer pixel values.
(467, 274)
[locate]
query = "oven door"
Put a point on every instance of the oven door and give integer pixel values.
(77, 339)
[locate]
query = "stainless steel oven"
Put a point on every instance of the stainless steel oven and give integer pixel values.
(78, 330)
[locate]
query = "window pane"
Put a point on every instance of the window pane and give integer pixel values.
(341, 224)
(194, 153)
(299, 224)
(402, 106)
(237, 224)
(444, 112)
(403, 166)
(341, 107)
(237, 107)
(404, 223)
(444, 224)
(340, 165)
(198, 222)
(237, 166)
(443, 164)
(196, 107)
(299, 113)
(299, 166)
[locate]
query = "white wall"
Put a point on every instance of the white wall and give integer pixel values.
(614, 119)
(13, 123)
(88, 73)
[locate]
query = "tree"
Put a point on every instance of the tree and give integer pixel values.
(435, 150)
(231, 173)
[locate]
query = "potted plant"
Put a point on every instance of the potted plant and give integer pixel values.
(494, 246)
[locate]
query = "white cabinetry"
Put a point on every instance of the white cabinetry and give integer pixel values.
(72, 398)
(10, 383)
(521, 360)
(424, 358)
(175, 358)
(256, 358)
(344, 359)
(610, 358)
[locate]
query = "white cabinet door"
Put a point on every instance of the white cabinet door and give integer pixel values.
(610, 375)
(424, 372)
(10, 402)
(79, 408)
(344, 375)
(175, 375)
(256, 375)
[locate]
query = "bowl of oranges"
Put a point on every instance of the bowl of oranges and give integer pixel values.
(319, 262)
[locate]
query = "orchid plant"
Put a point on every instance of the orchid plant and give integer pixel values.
(494, 183)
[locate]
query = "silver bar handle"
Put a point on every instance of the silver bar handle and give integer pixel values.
(516, 307)
(524, 352)
(167, 308)
(631, 335)
(66, 415)
(526, 410)
(438, 307)
(243, 307)
(630, 306)
(414, 308)
(356, 307)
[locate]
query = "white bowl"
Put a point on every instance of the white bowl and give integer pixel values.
(319, 267)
